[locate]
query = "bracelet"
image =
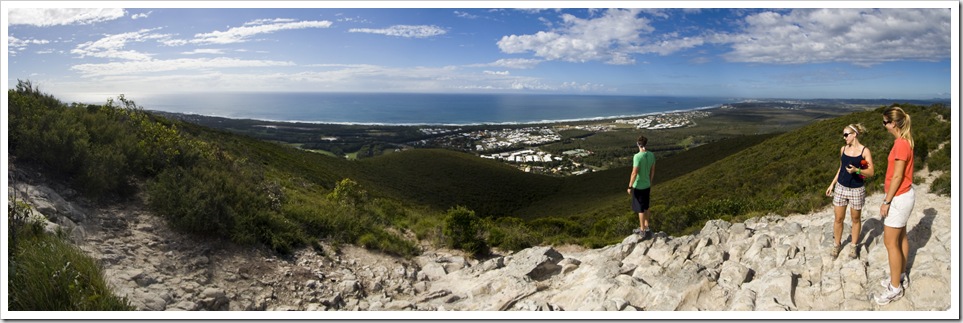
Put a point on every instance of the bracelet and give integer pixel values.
(857, 171)
(630, 187)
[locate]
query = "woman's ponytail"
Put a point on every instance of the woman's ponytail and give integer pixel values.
(901, 120)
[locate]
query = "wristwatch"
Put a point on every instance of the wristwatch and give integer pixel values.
(887, 203)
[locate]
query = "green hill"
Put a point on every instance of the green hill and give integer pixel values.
(205, 181)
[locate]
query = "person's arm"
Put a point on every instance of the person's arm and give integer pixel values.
(635, 172)
(829, 190)
(870, 168)
(898, 167)
(651, 174)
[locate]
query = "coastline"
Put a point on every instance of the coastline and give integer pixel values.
(482, 124)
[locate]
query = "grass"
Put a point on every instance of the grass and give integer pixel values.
(277, 195)
(48, 273)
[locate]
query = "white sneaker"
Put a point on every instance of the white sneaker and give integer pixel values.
(889, 295)
(903, 279)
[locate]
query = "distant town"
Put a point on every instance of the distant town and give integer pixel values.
(519, 146)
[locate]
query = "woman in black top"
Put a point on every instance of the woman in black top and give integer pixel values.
(847, 188)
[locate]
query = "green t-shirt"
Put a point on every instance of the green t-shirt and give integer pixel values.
(644, 161)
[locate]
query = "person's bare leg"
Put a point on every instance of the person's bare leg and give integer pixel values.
(892, 241)
(642, 221)
(904, 246)
(838, 224)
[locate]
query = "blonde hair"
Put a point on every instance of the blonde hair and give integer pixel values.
(858, 128)
(900, 120)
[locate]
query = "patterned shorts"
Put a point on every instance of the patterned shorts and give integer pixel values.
(853, 197)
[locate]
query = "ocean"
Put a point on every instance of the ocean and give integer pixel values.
(419, 109)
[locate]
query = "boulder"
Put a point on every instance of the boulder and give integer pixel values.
(774, 290)
(213, 299)
(538, 263)
(433, 271)
(733, 275)
(743, 300)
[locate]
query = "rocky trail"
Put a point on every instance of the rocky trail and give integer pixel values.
(771, 263)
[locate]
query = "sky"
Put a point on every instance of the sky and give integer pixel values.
(769, 50)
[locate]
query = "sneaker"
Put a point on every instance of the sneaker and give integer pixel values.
(834, 252)
(903, 279)
(890, 294)
(638, 232)
(852, 251)
(648, 232)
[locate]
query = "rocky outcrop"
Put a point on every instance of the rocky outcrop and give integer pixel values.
(770, 263)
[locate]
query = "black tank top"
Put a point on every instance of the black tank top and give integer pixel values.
(845, 178)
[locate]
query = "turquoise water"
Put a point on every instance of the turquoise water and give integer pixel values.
(409, 109)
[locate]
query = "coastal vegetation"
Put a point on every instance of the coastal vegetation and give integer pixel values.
(217, 182)
(48, 273)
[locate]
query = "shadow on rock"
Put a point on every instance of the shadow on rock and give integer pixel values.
(920, 235)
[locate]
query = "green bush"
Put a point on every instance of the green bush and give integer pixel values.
(511, 233)
(387, 242)
(940, 160)
(466, 231)
(347, 192)
(942, 185)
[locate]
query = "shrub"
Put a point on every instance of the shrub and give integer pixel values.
(387, 242)
(511, 233)
(940, 160)
(942, 184)
(349, 193)
(466, 231)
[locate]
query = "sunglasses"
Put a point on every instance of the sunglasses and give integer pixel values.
(887, 122)
(846, 135)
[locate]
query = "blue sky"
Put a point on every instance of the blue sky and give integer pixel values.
(819, 52)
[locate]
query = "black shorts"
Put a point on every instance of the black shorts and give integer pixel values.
(640, 200)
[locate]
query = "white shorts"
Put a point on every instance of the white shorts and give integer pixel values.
(900, 209)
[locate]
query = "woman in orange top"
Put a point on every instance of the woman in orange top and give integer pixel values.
(897, 203)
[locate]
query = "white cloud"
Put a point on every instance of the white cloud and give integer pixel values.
(513, 63)
(16, 44)
(217, 75)
(212, 51)
(517, 63)
(462, 14)
(154, 66)
(859, 36)
(671, 45)
(141, 15)
(407, 31)
(268, 21)
(44, 17)
(585, 87)
(250, 29)
(610, 38)
(111, 46)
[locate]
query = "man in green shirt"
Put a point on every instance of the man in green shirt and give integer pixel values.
(640, 184)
